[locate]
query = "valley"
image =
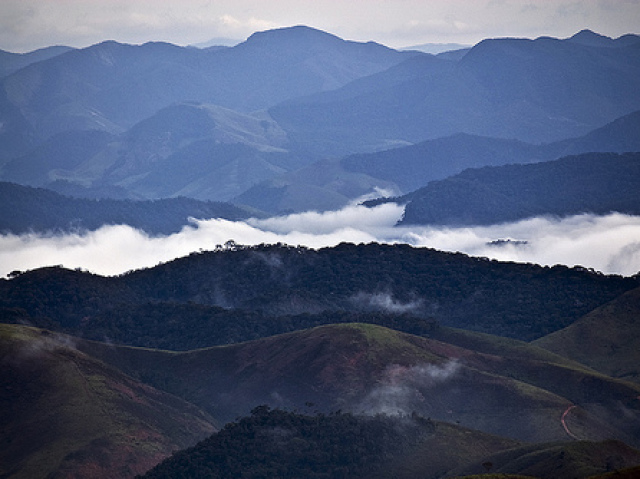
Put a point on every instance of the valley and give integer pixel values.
(338, 341)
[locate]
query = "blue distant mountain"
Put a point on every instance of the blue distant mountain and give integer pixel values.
(158, 120)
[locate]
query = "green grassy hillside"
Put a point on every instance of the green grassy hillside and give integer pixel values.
(607, 339)
(65, 414)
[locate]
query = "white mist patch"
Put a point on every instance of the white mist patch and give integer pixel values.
(377, 221)
(402, 389)
(385, 302)
(610, 244)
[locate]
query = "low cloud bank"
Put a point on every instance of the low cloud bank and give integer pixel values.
(610, 244)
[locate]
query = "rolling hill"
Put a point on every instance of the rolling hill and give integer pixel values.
(605, 339)
(481, 386)
(369, 369)
(64, 414)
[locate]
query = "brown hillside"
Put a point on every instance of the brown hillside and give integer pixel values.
(371, 369)
(64, 414)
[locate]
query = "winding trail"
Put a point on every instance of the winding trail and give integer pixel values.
(564, 423)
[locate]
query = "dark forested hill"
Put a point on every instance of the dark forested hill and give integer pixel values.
(26, 209)
(598, 183)
(278, 444)
(350, 447)
(519, 300)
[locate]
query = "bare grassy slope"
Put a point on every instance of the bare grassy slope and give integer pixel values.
(64, 414)
(365, 368)
(607, 339)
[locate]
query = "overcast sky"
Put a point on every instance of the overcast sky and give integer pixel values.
(31, 24)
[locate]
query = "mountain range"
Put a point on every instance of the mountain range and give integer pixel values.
(368, 360)
(333, 183)
(248, 123)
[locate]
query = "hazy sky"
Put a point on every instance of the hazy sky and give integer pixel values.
(30, 24)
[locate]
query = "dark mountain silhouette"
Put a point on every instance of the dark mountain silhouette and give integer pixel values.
(598, 183)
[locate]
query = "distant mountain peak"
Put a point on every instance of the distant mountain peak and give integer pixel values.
(591, 38)
(296, 33)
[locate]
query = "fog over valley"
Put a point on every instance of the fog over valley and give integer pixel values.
(319, 239)
(609, 244)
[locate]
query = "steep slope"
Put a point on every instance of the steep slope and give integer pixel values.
(64, 414)
(598, 183)
(607, 339)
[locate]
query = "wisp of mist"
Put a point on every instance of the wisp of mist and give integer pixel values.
(610, 244)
